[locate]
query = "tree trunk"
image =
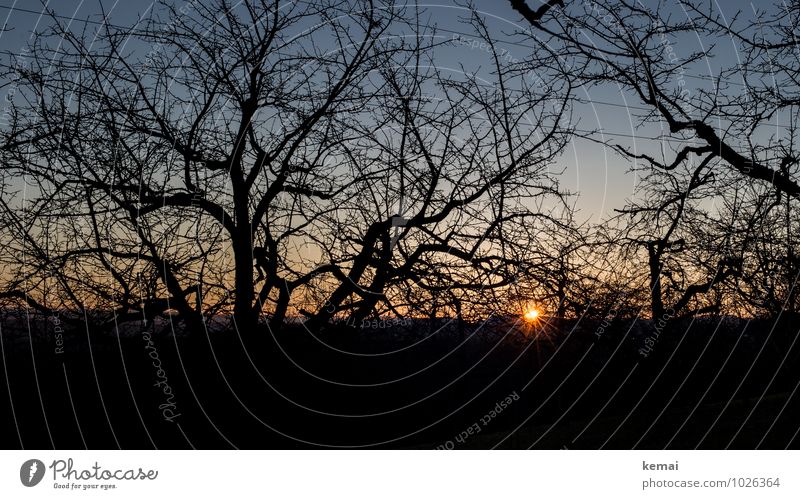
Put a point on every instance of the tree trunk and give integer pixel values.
(376, 288)
(348, 286)
(656, 300)
(280, 309)
(245, 316)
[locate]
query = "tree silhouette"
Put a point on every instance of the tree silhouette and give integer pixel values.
(302, 160)
(724, 122)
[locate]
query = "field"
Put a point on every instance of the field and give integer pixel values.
(572, 384)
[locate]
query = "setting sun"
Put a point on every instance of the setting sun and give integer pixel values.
(531, 315)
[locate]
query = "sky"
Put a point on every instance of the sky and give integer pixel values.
(598, 175)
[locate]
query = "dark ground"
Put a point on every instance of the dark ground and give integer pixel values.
(714, 383)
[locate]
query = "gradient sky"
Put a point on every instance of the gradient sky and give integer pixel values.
(598, 175)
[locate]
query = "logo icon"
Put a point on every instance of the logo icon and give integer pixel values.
(31, 472)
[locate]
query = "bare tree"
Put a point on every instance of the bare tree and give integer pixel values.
(461, 212)
(631, 45)
(209, 132)
(666, 221)
(725, 120)
(299, 159)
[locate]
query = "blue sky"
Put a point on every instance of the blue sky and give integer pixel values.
(598, 175)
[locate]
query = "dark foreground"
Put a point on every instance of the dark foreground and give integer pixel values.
(711, 383)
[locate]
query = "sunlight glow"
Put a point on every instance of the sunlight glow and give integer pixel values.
(531, 315)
